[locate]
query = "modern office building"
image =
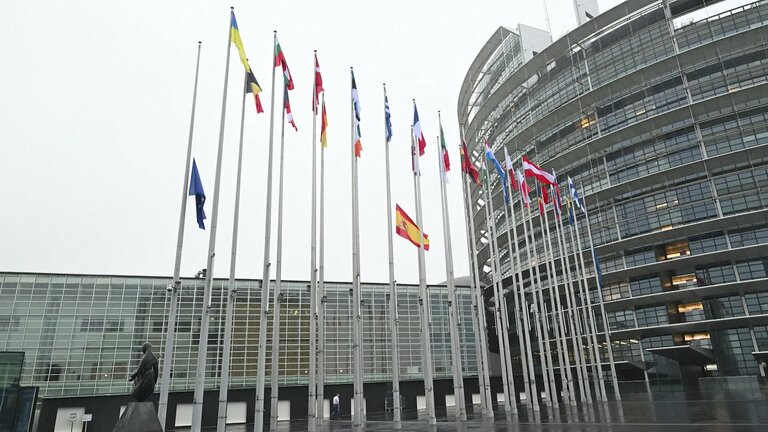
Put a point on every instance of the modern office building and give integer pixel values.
(81, 337)
(658, 111)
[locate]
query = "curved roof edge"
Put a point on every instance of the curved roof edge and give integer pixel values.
(554, 50)
(493, 43)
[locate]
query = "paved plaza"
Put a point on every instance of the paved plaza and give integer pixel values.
(666, 412)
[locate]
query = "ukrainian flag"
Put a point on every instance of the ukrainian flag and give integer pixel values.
(253, 85)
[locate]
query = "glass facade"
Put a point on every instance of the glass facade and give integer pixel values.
(82, 334)
(660, 116)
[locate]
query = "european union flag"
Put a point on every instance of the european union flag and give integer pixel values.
(196, 189)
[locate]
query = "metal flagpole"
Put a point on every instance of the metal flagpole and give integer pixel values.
(602, 310)
(321, 292)
(393, 315)
(221, 423)
(505, 320)
(425, 320)
(560, 337)
(202, 353)
(581, 320)
(175, 287)
(498, 293)
(258, 424)
(312, 403)
(478, 302)
(453, 304)
(529, 376)
(526, 309)
(538, 323)
(552, 393)
(568, 286)
(357, 347)
(277, 299)
(590, 329)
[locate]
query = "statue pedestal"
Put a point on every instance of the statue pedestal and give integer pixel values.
(138, 417)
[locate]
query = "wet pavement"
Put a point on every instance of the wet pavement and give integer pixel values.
(666, 412)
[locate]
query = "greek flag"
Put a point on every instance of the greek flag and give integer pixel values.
(575, 195)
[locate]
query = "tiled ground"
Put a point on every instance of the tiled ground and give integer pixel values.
(666, 413)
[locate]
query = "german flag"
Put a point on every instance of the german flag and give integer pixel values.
(406, 228)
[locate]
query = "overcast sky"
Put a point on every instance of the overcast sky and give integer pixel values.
(95, 109)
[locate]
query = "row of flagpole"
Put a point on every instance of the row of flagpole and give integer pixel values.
(574, 321)
(530, 313)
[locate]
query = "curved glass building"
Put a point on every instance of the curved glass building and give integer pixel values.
(658, 112)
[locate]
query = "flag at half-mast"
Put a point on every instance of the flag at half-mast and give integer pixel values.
(196, 190)
(406, 228)
(510, 169)
(280, 61)
(418, 135)
(318, 86)
(444, 160)
(356, 117)
(252, 85)
(466, 164)
(324, 126)
(288, 113)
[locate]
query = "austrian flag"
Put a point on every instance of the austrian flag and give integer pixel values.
(532, 170)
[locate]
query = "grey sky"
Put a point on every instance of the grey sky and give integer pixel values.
(95, 109)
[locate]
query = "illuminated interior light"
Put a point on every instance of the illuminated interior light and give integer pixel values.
(690, 307)
(684, 279)
(696, 336)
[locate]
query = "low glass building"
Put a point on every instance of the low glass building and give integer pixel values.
(658, 111)
(81, 334)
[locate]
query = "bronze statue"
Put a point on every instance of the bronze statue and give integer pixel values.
(145, 376)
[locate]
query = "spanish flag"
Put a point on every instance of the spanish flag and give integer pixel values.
(407, 229)
(253, 85)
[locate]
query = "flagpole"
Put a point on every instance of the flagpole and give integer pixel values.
(516, 304)
(574, 330)
(580, 317)
(321, 291)
(357, 348)
(523, 332)
(202, 353)
(614, 377)
(258, 424)
(533, 272)
(312, 402)
(590, 333)
(505, 321)
(560, 338)
(458, 379)
(393, 315)
(278, 295)
(425, 321)
(547, 371)
(221, 423)
(478, 302)
(478, 306)
(175, 287)
(498, 297)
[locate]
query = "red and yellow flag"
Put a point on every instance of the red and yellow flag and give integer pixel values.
(406, 228)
